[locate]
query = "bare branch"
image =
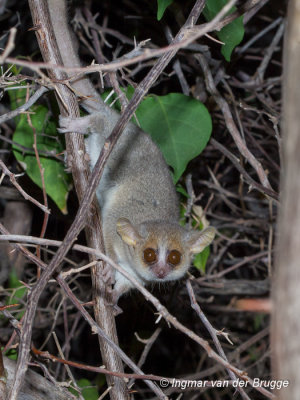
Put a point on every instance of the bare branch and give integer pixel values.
(160, 308)
(26, 196)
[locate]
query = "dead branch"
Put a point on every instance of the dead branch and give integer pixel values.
(241, 145)
(94, 326)
(163, 312)
(26, 196)
(34, 386)
(212, 333)
(25, 106)
(191, 34)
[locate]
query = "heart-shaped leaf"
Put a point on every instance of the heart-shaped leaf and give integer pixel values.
(232, 34)
(180, 125)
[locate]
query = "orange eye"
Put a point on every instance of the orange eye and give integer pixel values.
(174, 257)
(150, 256)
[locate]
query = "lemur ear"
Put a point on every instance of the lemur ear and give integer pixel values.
(202, 239)
(128, 232)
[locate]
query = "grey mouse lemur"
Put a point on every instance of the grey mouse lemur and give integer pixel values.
(140, 209)
(139, 205)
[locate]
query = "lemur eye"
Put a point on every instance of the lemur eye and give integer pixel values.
(174, 257)
(150, 256)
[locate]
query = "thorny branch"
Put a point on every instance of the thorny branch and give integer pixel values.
(94, 326)
(212, 333)
(160, 308)
(191, 34)
(231, 125)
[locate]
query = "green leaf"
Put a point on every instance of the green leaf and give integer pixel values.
(14, 283)
(89, 393)
(200, 259)
(11, 353)
(19, 292)
(17, 96)
(181, 127)
(232, 34)
(57, 181)
(180, 189)
(161, 7)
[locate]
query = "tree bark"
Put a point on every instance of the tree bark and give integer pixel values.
(80, 171)
(34, 387)
(286, 296)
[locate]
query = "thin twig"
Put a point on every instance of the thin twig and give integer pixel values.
(160, 308)
(267, 57)
(100, 370)
(149, 343)
(212, 333)
(26, 196)
(215, 24)
(10, 45)
(25, 106)
(243, 172)
(233, 355)
(246, 260)
(94, 326)
(259, 35)
(230, 123)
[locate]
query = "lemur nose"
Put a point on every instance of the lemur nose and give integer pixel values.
(161, 273)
